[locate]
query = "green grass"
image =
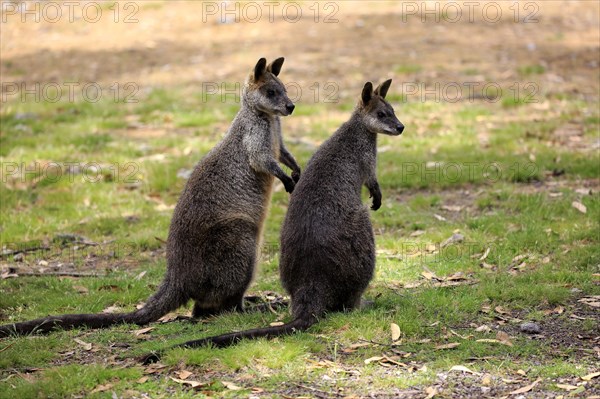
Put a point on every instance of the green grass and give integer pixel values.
(504, 191)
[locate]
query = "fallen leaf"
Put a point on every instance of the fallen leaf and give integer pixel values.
(456, 277)
(589, 377)
(417, 233)
(566, 387)
(168, 317)
(526, 388)
(579, 206)
(85, 345)
(111, 309)
(486, 265)
(231, 385)
(464, 369)
(454, 239)
(102, 388)
(360, 345)
(193, 384)
(593, 301)
(501, 310)
(439, 217)
(483, 328)
(521, 372)
(486, 379)
(184, 374)
(352, 348)
(448, 346)
(154, 368)
(485, 254)
(395, 331)
(557, 310)
(373, 359)
(139, 276)
(428, 275)
(431, 392)
(276, 323)
(142, 380)
(387, 359)
(137, 333)
(6, 275)
(452, 208)
(503, 338)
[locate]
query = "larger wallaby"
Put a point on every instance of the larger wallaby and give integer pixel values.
(327, 243)
(217, 224)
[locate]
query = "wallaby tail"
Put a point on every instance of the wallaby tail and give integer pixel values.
(305, 316)
(162, 302)
(224, 340)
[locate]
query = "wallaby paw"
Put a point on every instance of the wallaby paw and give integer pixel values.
(296, 175)
(376, 205)
(289, 185)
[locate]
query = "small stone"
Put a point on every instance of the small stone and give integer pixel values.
(530, 328)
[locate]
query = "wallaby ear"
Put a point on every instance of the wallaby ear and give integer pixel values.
(260, 68)
(275, 66)
(367, 93)
(382, 89)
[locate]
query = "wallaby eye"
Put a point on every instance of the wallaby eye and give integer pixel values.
(270, 93)
(380, 114)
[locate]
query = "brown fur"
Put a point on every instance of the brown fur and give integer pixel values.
(217, 224)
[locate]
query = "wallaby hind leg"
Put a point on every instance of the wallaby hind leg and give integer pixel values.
(200, 312)
(233, 303)
(351, 302)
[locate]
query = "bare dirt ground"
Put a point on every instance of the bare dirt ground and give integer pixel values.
(183, 43)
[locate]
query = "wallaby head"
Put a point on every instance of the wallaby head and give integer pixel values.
(376, 113)
(265, 92)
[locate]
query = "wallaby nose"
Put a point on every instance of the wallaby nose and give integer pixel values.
(290, 107)
(400, 128)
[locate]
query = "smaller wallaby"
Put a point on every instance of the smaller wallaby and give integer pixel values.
(327, 242)
(217, 224)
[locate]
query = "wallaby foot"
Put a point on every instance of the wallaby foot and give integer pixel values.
(232, 304)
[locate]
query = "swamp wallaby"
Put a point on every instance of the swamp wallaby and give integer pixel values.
(327, 243)
(217, 224)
